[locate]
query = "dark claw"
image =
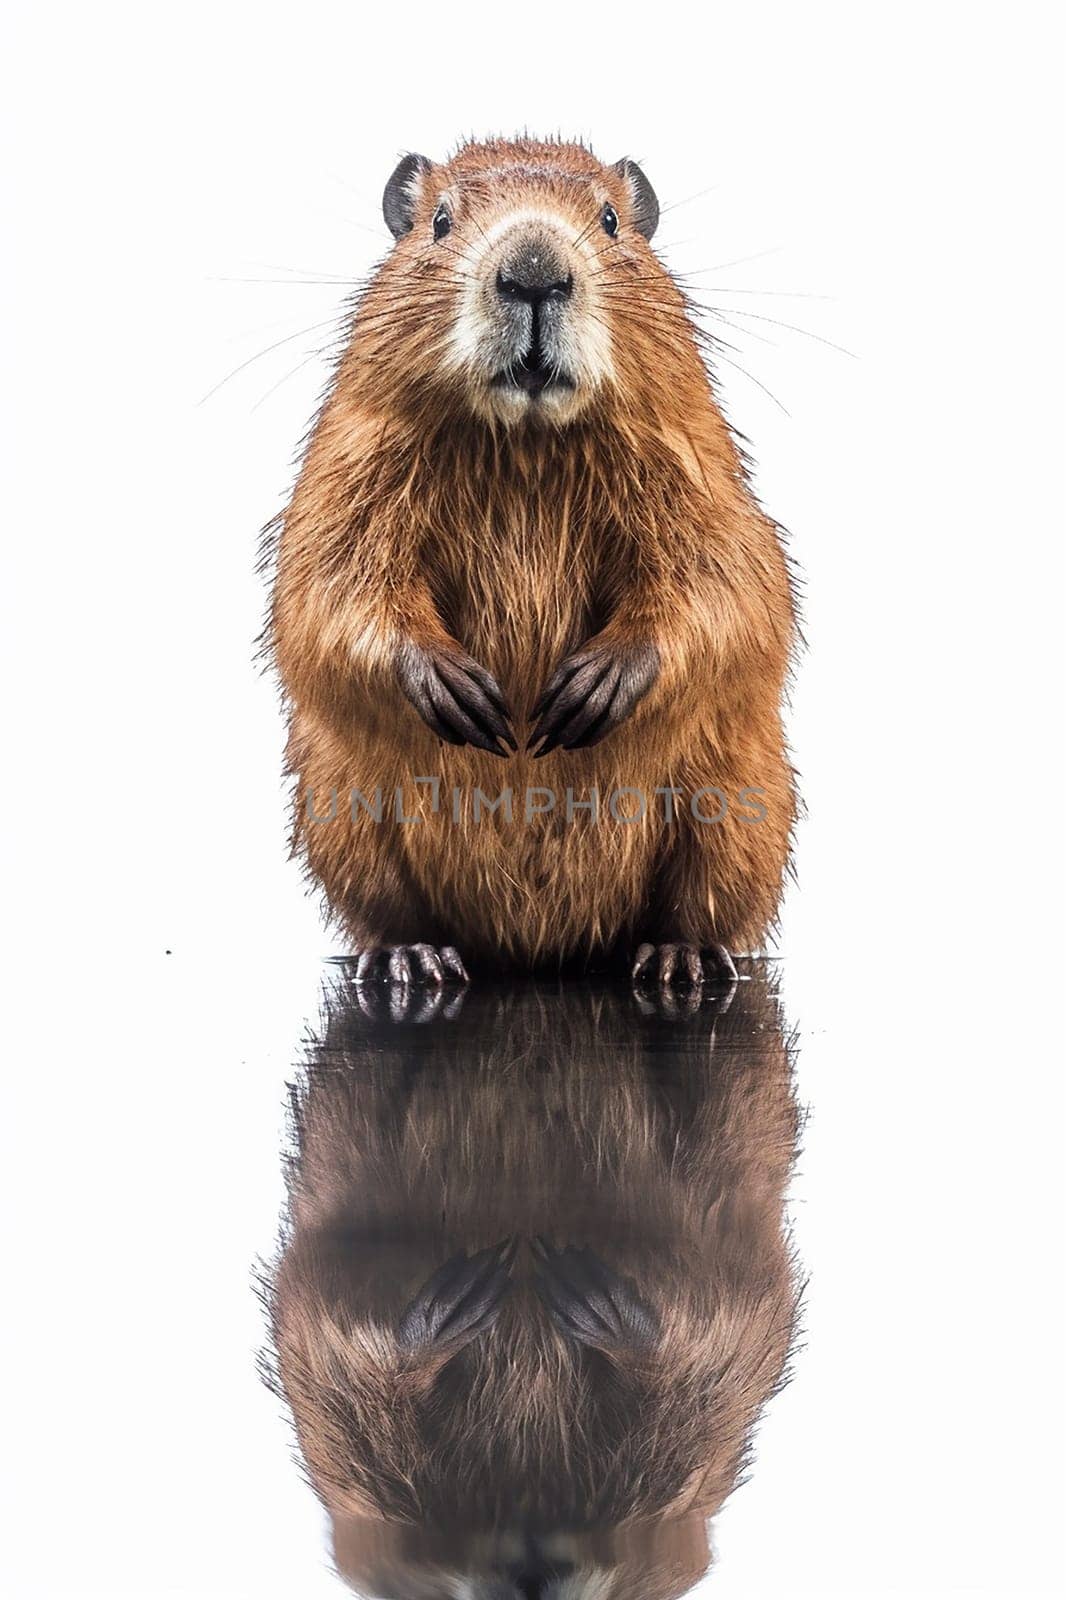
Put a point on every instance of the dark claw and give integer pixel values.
(719, 965)
(671, 1005)
(432, 966)
(589, 694)
(406, 965)
(559, 677)
(366, 966)
(412, 983)
(412, 1006)
(455, 697)
(589, 1302)
(400, 968)
(452, 962)
(684, 966)
(460, 1300)
(479, 692)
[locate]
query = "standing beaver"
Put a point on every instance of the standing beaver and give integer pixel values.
(521, 509)
(535, 1286)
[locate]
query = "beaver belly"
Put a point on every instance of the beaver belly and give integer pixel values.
(537, 878)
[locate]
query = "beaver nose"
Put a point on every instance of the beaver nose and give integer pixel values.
(529, 282)
(534, 1582)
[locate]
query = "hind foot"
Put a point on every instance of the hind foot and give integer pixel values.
(590, 1302)
(409, 964)
(683, 966)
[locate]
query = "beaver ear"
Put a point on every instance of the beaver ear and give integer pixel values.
(641, 197)
(401, 194)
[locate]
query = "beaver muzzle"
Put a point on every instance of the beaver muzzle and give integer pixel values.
(532, 374)
(532, 292)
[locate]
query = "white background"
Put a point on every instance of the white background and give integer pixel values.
(887, 177)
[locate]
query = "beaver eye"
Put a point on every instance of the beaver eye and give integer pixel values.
(609, 218)
(442, 222)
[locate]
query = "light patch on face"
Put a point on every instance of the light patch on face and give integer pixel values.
(585, 1583)
(523, 217)
(481, 342)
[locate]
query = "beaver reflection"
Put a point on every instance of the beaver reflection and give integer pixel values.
(535, 1285)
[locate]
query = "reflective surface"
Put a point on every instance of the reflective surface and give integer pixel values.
(535, 1283)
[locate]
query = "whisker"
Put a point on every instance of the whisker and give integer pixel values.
(792, 328)
(738, 261)
(777, 294)
(675, 330)
(579, 238)
(294, 283)
(364, 227)
(263, 327)
(676, 205)
(750, 332)
(310, 272)
(479, 228)
(300, 333)
(274, 387)
(767, 392)
(364, 199)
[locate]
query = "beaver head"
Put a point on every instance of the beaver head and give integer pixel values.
(514, 267)
(642, 1561)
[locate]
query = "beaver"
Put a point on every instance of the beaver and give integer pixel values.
(521, 511)
(535, 1284)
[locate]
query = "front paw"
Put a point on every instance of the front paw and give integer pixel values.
(455, 697)
(460, 1300)
(590, 1302)
(590, 693)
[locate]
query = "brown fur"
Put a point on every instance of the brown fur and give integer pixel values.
(538, 1114)
(630, 523)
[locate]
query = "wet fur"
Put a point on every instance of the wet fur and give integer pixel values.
(632, 524)
(555, 1115)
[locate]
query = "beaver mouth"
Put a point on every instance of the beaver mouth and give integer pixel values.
(533, 375)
